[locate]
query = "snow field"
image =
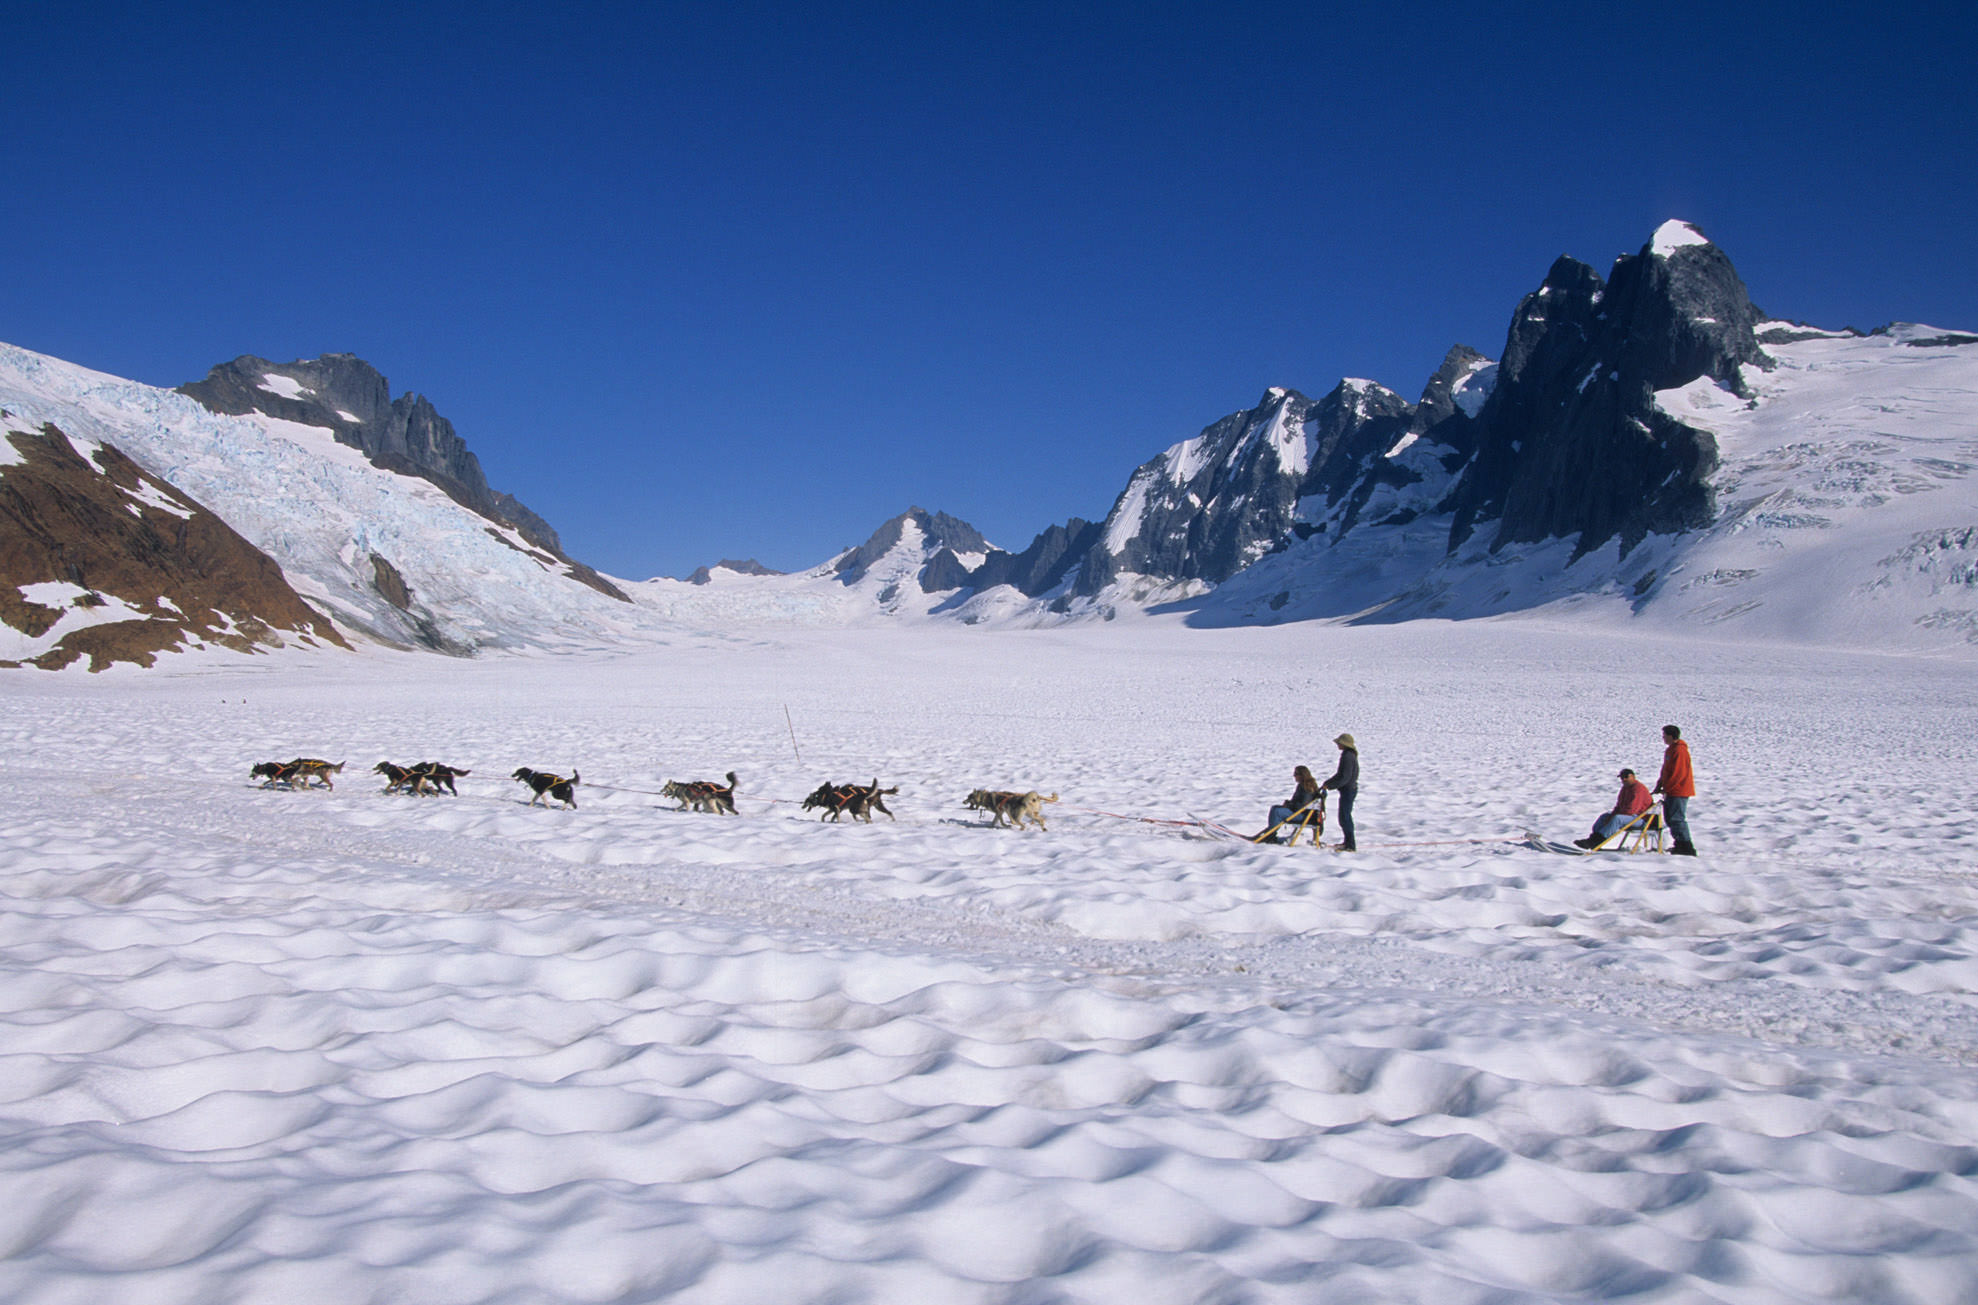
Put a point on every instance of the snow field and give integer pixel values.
(355, 1047)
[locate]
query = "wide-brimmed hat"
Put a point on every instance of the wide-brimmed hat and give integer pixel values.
(1346, 741)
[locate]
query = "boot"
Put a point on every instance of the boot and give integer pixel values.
(1683, 847)
(1588, 843)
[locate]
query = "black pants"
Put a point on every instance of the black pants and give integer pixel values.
(1346, 796)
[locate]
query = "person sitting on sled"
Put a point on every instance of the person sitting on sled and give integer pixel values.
(1631, 802)
(1305, 795)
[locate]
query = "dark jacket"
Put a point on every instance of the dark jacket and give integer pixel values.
(1347, 778)
(1307, 794)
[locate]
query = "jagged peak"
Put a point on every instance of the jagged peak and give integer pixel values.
(1462, 383)
(937, 530)
(1357, 395)
(1569, 275)
(1358, 388)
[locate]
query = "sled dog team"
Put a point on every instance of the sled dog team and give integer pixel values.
(1303, 811)
(704, 795)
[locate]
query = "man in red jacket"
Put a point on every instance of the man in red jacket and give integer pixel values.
(1677, 786)
(1631, 802)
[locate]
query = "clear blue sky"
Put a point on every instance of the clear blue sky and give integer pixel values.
(741, 279)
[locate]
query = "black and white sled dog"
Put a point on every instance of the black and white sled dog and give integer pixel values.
(543, 784)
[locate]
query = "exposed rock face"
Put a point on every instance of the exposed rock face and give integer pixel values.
(390, 584)
(1459, 388)
(1571, 440)
(117, 566)
(350, 398)
(941, 536)
(1212, 505)
(747, 566)
(1043, 566)
(1353, 427)
(1561, 439)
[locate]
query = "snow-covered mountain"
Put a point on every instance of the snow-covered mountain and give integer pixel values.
(915, 565)
(1646, 447)
(107, 563)
(389, 557)
(351, 399)
(1560, 438)
(1843, 513)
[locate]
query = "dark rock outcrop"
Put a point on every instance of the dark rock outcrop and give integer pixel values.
(747, 566)
(1571, 442)
(1043, 566)
(1212, 505)
(1352, 427)
(352, 400)
(1561, 439)
(390, 584)
(114, 534)
(942, 537)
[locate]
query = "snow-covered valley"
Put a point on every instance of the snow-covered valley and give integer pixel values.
(349, 1046)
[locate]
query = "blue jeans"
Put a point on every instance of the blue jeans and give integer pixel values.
(1346, 796)
(1676, 811)
(1610, 824)
(1284, 816)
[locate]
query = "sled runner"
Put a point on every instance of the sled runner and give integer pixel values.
(1637, 835)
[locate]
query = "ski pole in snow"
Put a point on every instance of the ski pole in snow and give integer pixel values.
(793, 734)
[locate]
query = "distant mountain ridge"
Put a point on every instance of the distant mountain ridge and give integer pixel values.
(1587, 463)
(1646, 447)
(1561, 437)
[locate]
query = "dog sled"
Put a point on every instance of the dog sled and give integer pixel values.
(1311, 817)
(1644, 833)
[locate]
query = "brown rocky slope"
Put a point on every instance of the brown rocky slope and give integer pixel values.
(125, 566)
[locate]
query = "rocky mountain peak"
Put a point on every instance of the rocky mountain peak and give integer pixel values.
(350, 398)
(1686, 313)
(1572, 441)
(1457, 392)
(1554, 323)
(937, 532)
